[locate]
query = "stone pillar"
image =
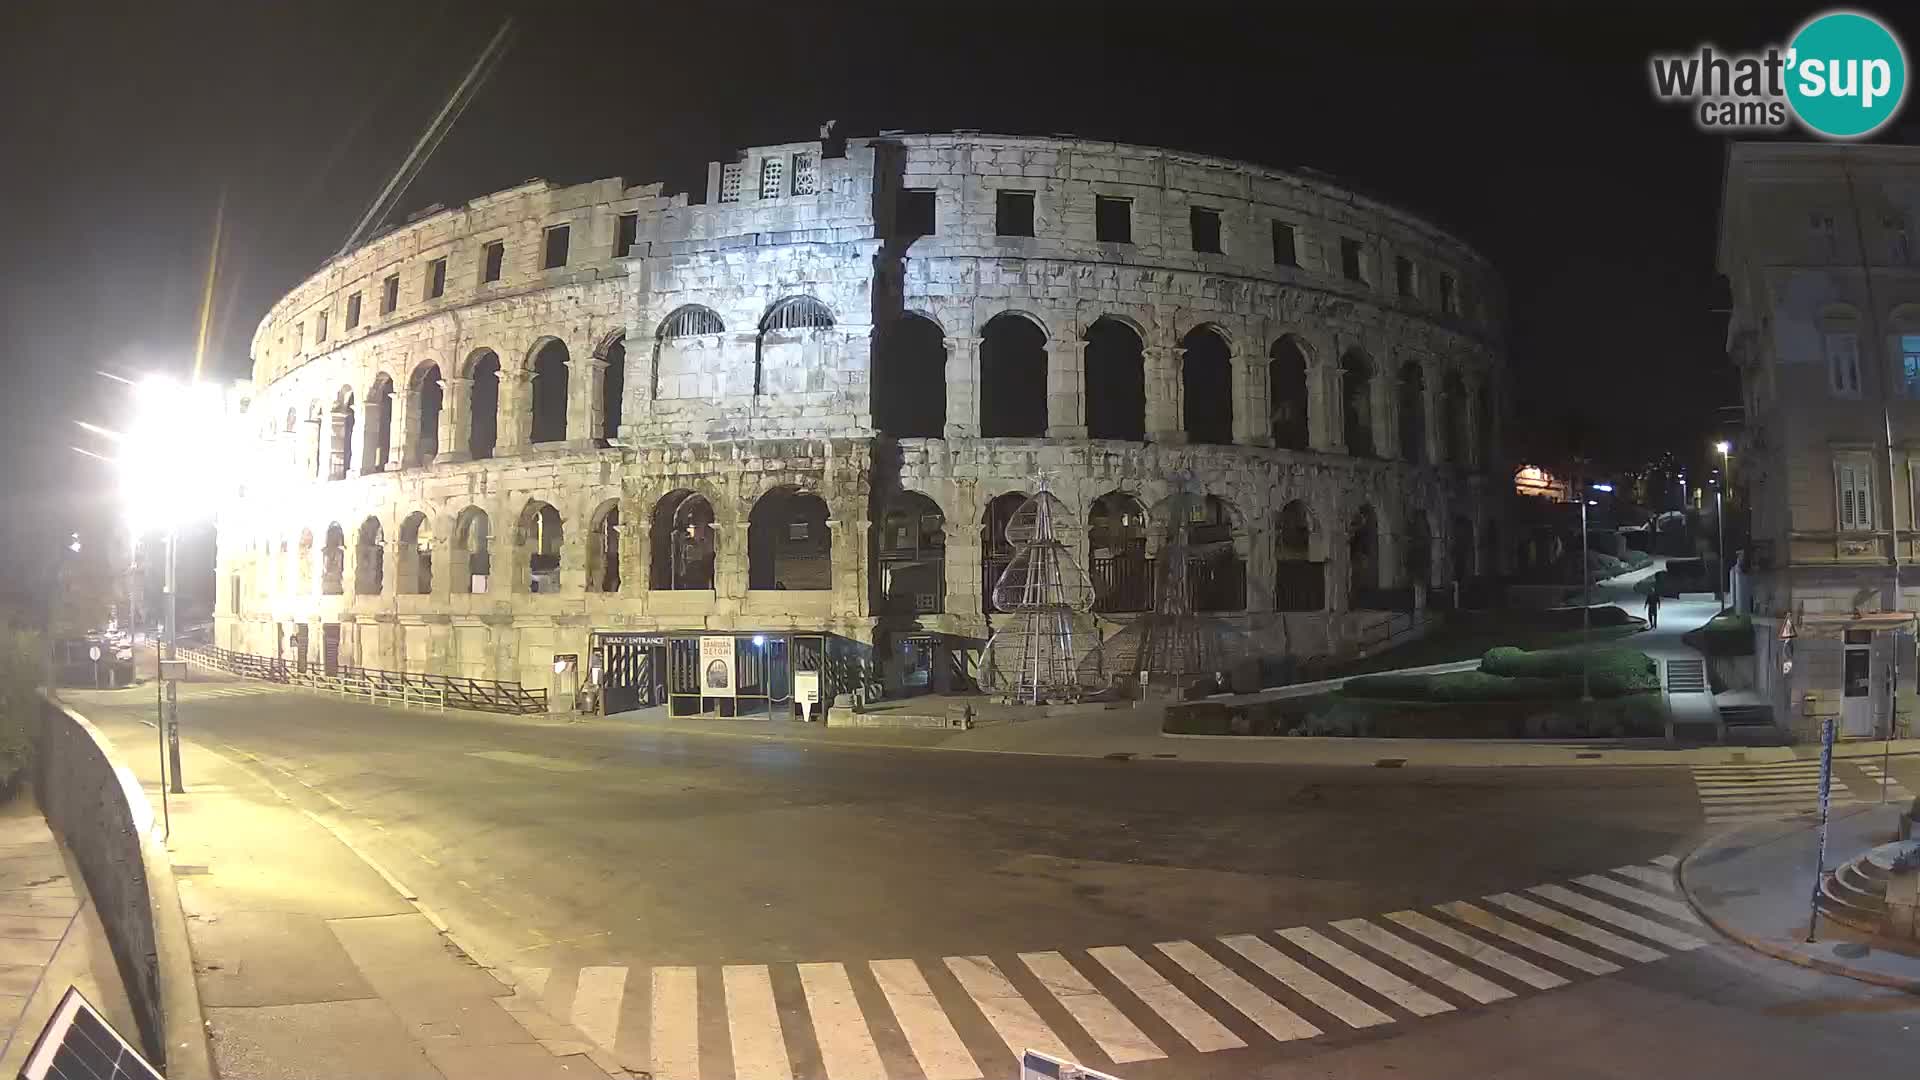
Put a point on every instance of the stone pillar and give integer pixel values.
(1164, 419)
(962, 554)
(1066, 389)
(405, 419)
(849, 564)
(515, 428)
(456, 409)
(1324, 405)
(963, 388)
(633, 539)
(586, 400)
(314, 453)
(1471, 455)
(1433, 389)
(1252, 424)
(337, 441)
(1386, 434)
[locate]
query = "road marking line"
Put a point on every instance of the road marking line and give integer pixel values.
(753, 1021)
(1119, 1039)
(1474, 949)
(930, 1035)
(1625, 920)
(1735, 801)
(1668, 861)
(674, 1034)
(1725, 788)
(1367, 973)
(1673, 909)
(1193, 1023)
(1306, 982)
(1274, 1018)
(1659, 879)
(1567, 924)
(1005, 1007)
(596, 1003)
(1445, 972)
(846, 1046)
(532, 979)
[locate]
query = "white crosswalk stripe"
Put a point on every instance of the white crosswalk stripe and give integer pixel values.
(1882, 779)
(1668, 861)
(1353, 973)
(1741, 794)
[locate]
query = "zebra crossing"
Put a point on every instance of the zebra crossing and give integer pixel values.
(970, 1017)
(215, 691)
(1741, 794)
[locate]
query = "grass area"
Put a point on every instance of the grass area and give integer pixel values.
(1630, 715)
(1510, 674)
(1471, 635)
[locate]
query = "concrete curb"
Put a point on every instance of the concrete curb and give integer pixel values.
(1772, 949)
(189, 1055)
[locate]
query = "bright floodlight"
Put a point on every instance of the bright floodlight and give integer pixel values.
(174, 460)
(1603, 487)
(1724, 447)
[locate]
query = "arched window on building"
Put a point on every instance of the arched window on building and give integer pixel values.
(1013, 378)
(1216, 571)
(676, 351)
(911, 553)
(1206, 384)
(1300, 568)
(1460, 549)
(1356, 399)
(1117, 559)
(1115, 382)
(472, 553)
(788, 344)
(304, 567)
(1413, 413)
(1287, 400)
(333, 562)
(550, 393)
(996, 551)
(603, 549)
(613, 388)
(1453, 424)
(379, 445)
(789, 545)
(1363, 559)
(341, 462)
(910, 378)
(539, 538)
(1418, 564)
(682, 540)
(415, 565)
(369, 559)
(483, 419)
(424, 395)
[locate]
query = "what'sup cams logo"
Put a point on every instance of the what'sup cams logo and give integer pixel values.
(1842, 76)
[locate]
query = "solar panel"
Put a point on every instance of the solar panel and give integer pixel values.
(79, 1044)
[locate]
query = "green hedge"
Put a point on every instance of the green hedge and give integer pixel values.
(1509, 674)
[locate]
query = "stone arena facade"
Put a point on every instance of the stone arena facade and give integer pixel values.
(601, 423)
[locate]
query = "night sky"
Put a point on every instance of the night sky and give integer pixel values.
(1531, 133)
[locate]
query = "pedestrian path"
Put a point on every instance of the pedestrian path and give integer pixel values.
(1741, 794)
(969, 1017)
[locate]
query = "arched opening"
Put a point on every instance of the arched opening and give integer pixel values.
(1206, 385)
(613, 389)
(483, 420)
(1300, 568)
(910, 379)
(379, 446)
(1287, 394)
(1453, 426)
(603, 549)
(789, 545)
(1418, 565)
(683, 542)
(1356, 401)
(369, 559)
(996, 551)
(1013, 378)
(415, 565)
(911, 552)
(675, 372)
(550, 393)
(1117, 554)
(782, 353)
(1460, 549)
(472, 551)
(304, 586)
(1363, 559)
(333, 562)
(1116, 382)
(341, 462)
(1216, 571)
(1413, 413)
(539, 536)
(424, 396)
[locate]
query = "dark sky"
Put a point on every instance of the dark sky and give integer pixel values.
(1527, 128)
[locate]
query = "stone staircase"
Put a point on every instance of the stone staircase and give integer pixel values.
(1686, 676)
(1855, 893)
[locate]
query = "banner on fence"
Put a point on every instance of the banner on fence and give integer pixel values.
(716, 666)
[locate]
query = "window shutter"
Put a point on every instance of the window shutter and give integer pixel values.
(1846, 497)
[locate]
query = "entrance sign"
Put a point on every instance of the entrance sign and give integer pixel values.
(806, 692)
(716, 667)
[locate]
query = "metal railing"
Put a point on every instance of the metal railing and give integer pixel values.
(405, 688)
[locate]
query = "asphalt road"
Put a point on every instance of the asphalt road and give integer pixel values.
(565, 849)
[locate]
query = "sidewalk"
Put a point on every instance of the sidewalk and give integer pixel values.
(313, 964)
(50, 936)
(1755, 885)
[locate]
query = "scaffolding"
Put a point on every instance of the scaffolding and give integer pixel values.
(1032, 660)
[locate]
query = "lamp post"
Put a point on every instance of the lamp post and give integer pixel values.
(1720, 521)
(1586, 594)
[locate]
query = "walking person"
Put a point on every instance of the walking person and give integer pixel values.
(1653, 607)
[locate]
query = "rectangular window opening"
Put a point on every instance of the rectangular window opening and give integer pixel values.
(1112, 219)
(1285, 253)
(320, 328)
(390, 294)
(1910, 365)
(353, 311)
(558, 238)
(436, 279)
(1403, 275)
(1013, 213)
(771, 171)
(1350, 259)
(1853, 479)
(1205, 225)
(492, 258)
(1449, 295)
(913, 213)
(1843, 363)
(730, 182)
(806, 176)
(629, 232)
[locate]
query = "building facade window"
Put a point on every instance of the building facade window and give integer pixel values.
(1403, 275)
(1112, 219)
(558, 239)
(1853, 485)
(436, 279)
(390, 294)
(628, 232)
(1013, 213)
(1449, 295)
(1843, 363)
(320, 328)
(492, 258)
(1350, 262)
(772, 170)
(353, 311)
(1205, 226)
(913, 213)
(730, 182)
(805, 174)
(1910, 365)
(1286, 251)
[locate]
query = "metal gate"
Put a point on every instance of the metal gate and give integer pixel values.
(632, 671)
(330, 648)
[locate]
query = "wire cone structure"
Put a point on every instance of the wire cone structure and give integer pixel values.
(1172, 647)
(1033, 659)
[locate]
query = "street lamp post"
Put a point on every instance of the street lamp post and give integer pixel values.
(1720, 521)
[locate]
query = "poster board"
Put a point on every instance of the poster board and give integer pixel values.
(806, 693)
(717, 676)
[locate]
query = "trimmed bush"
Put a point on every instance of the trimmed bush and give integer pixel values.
(1622, 670)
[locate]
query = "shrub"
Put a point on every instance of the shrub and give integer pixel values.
(1611, 669)
(23, 671)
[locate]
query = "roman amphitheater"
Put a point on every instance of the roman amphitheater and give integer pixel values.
(565, 436)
